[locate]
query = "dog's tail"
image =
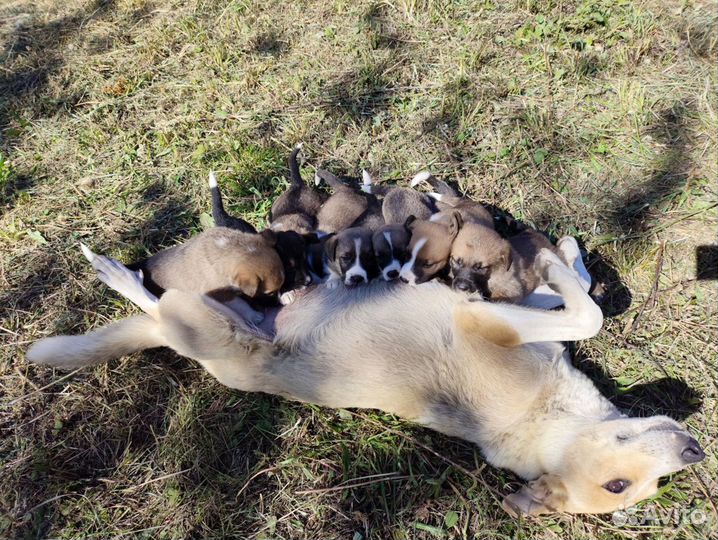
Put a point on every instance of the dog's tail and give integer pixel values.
(441, 188)
(373, 187)
(329, 179)
(218, 213)
(295, 177)
(117, 339)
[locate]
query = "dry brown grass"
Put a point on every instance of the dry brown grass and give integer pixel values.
(595, 118)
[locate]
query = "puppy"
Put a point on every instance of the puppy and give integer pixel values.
(220, 262)
(429, 248)
(346, 257)
(448, 200)
(346, 207)
(391, 249)
(399, 203)
(290, 245)
(296, 208)
(501, 270)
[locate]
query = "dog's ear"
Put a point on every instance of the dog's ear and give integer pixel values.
(269, 237)
(248, 283)
(545, 495)
(507, 257)
(455, 224)
(330, 247)
(311, 238)
(407, 224)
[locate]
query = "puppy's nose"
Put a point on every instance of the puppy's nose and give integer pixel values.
(392, 274)
(356, 280)
(692, 452)
(464, 286)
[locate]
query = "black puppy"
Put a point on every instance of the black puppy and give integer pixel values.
(291, 246)
(346, 257)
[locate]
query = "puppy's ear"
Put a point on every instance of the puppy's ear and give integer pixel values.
(248, 284)
(407, 224)
(507, 257)
(330, 247)
(269, 236)
(455, 224)
(545, 495)
(311, 238)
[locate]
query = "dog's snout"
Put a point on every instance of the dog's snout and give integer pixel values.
(463, 285)
(692, 452)
(392, 274)
(356, 280)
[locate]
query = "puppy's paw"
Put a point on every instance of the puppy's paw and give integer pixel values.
(332, 283)
(287, 298)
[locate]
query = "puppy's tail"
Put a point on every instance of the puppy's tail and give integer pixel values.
(371, 186)
(218, 212)
(441, 188)
(220, 216)
(295, 177)
(329, 179)
(117, 339)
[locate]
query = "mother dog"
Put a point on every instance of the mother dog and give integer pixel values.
(493, 374)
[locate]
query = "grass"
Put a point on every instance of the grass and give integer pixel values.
(595, 118)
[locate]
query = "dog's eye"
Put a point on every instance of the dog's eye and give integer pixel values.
(347, 257)
(476, 266)
(616, 486)
(427, 264)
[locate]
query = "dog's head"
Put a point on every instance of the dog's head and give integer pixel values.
(609, 466)
(298, 222)
(350, 255)
(391, 243)
(292, 249)
(258, 270)
(429, 248)
(477, 252)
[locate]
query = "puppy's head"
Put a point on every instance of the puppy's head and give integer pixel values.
(609, 466)
(350, 255)
(477, 252)
(391, 243)
(258, 270)
(292, 249)
(429, 248)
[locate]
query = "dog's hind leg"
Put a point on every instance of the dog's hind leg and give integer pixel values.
(510, 325)
(128, 283)
(572, 254)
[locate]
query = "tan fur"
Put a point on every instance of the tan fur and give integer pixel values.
(428, 354)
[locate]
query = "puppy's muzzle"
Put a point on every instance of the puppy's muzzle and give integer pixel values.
(356, 280)
(392, 274)
(464, 285)
(692, 452)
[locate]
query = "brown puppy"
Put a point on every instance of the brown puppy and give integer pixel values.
(220, 262)
(399, 203)
(345, 208)
(296, 208)
(429, 248)
(502, 270)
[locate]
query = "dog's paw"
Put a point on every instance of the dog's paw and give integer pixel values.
(332, 283)
(548, 266)
(287, 298)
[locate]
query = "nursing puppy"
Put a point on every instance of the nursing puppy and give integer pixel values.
(346, 207)
(399, 203)
(430, 248)
(505, 270)
(491, 373)
(222, 263)
(346, 257)
(290, 245)
(296, 208)
(391, 249)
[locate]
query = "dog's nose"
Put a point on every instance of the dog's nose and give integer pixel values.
(356, 280)
(392, 274)
(464, 286)
(692, 452)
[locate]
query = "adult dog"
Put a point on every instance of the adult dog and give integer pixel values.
(494, 374)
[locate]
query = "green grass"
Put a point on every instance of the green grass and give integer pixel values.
(591, 118)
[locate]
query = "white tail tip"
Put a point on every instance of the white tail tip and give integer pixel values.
(317, 179)
(366, 177)
(420, 177)
(299, 146)
(87, 252)
(435, 196)
(212, 180)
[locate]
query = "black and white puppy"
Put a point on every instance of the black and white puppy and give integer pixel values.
(391, 249)
(346, 257)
